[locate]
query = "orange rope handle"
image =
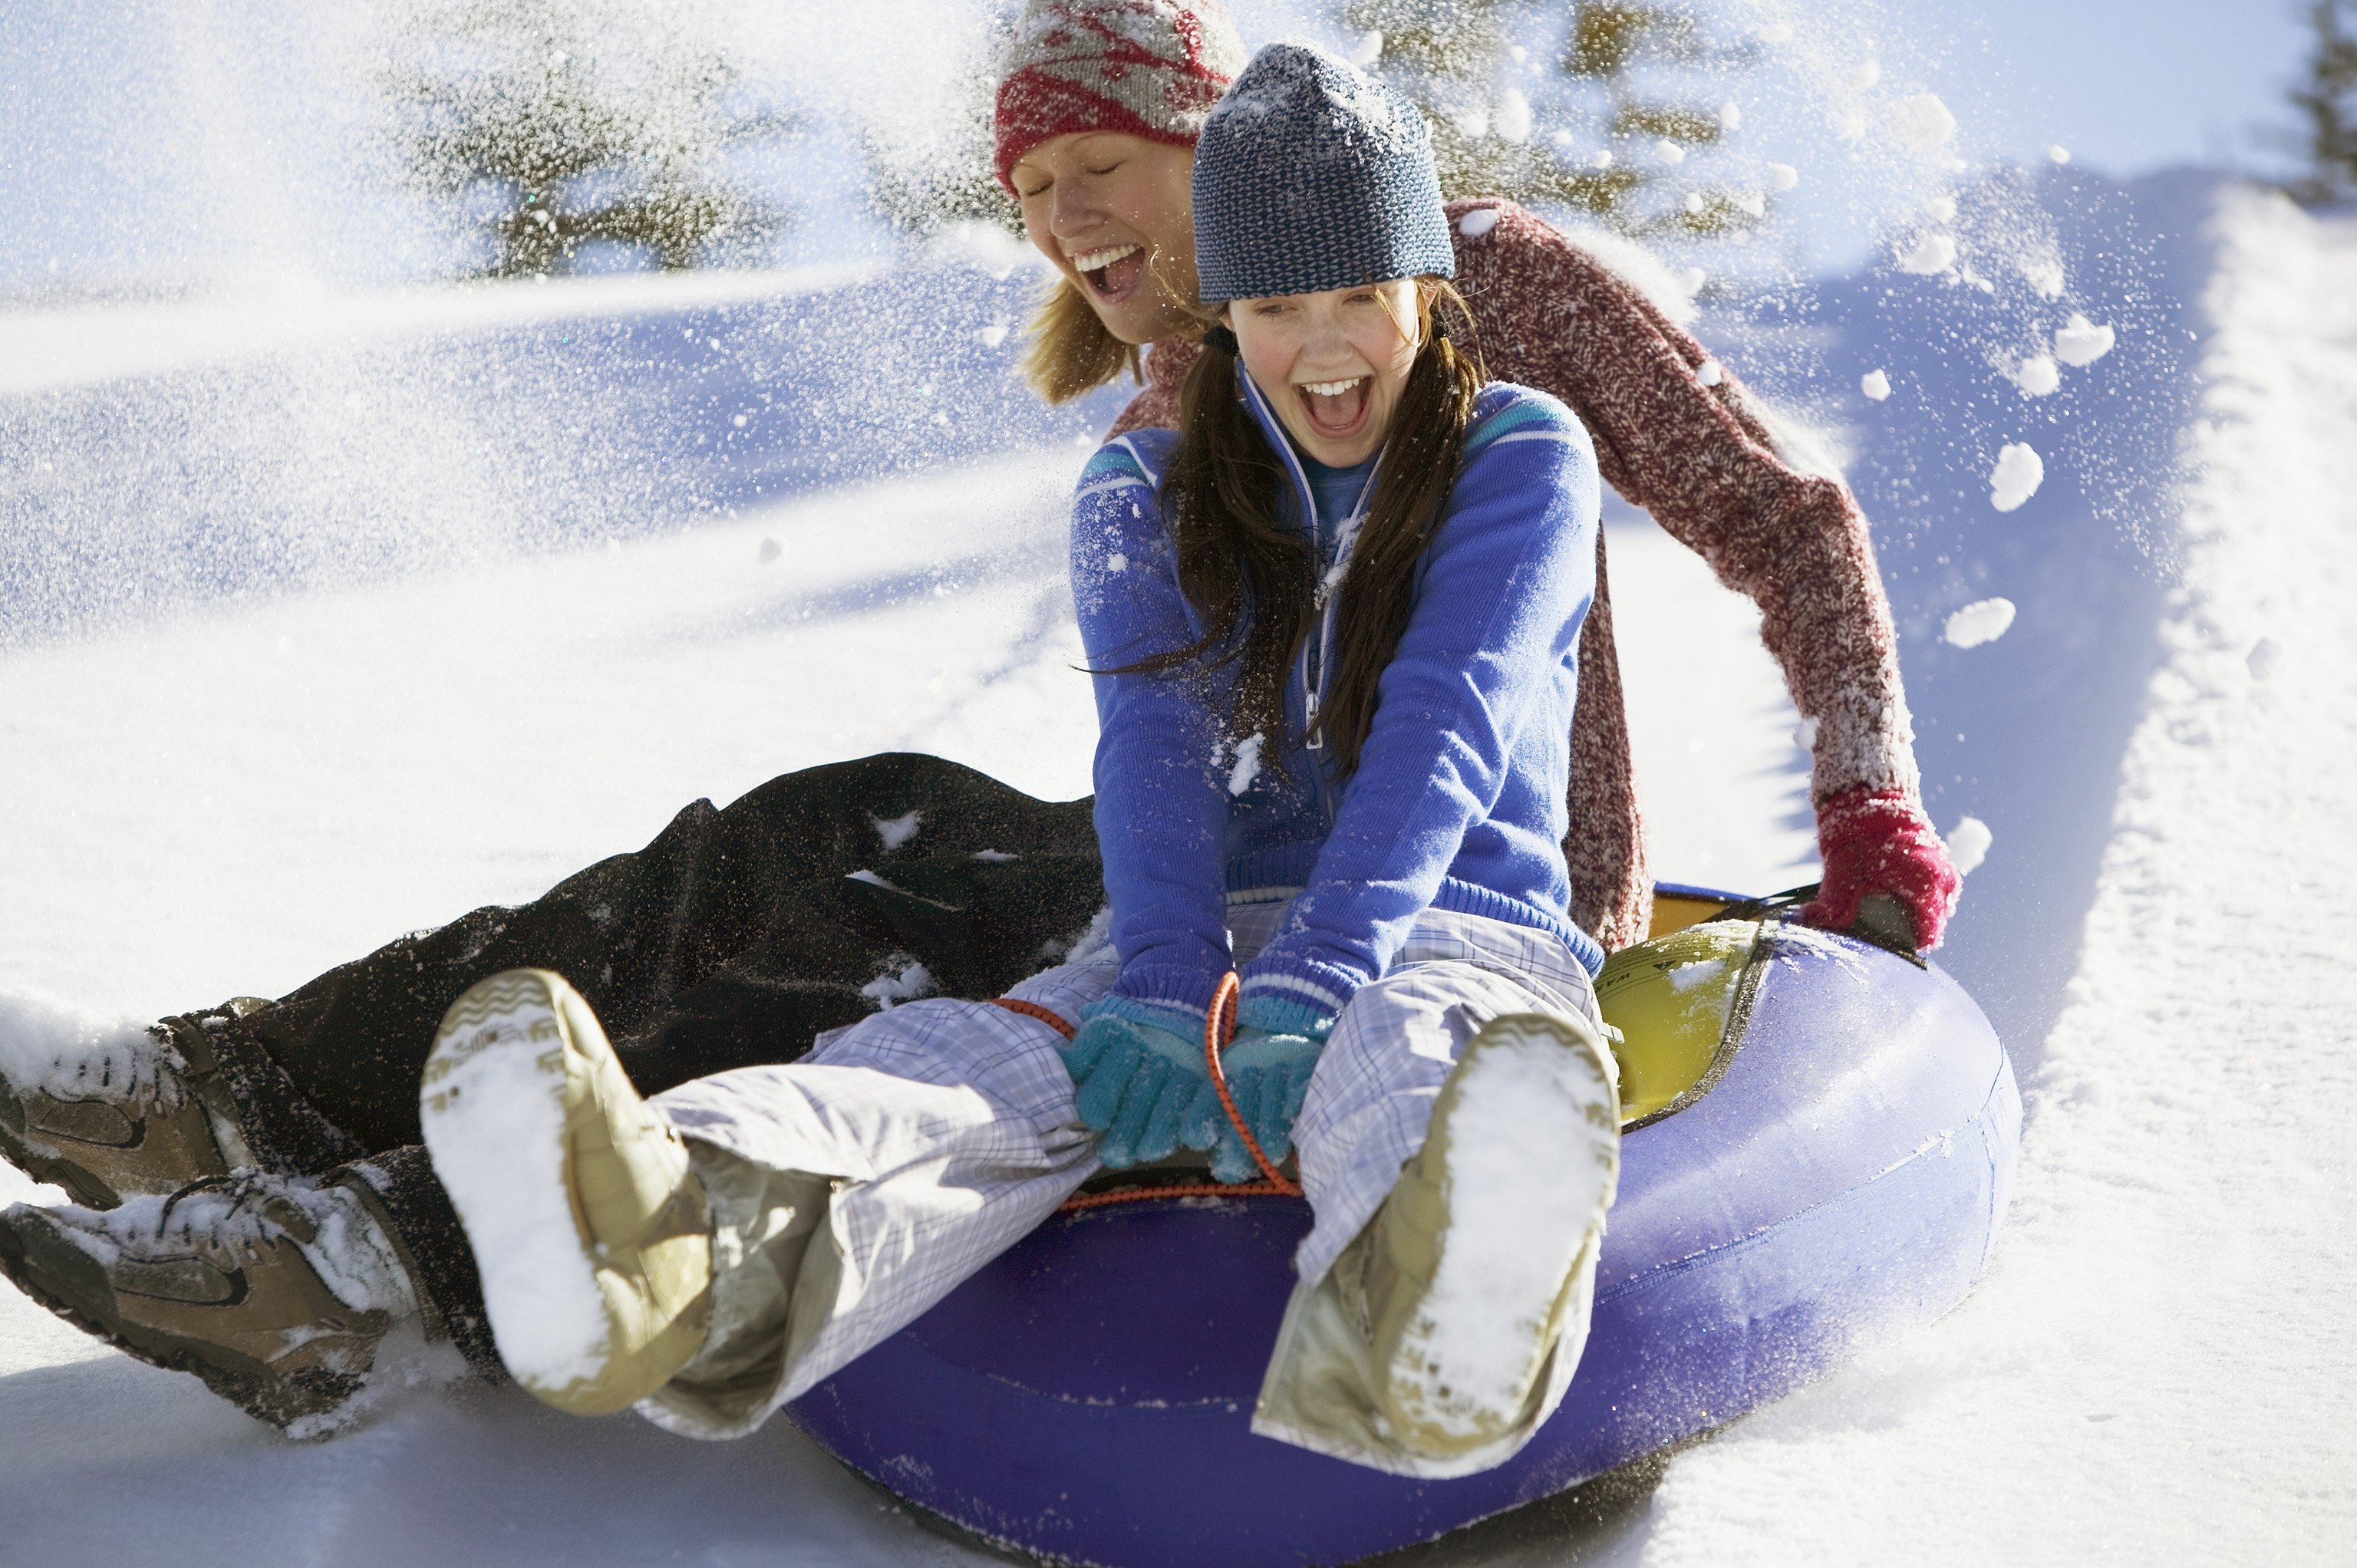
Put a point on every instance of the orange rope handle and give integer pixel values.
(1033, 1010)
(1219, 1032)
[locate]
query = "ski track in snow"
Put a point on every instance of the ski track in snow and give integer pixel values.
(2154, 1370)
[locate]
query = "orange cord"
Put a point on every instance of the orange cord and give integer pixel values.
(1033, 1010)
(1219, 1032)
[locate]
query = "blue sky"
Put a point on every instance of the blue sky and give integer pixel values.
(2127, 85)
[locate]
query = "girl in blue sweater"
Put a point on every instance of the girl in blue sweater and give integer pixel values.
(1332, 622)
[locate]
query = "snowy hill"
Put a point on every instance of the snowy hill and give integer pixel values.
(255, 727)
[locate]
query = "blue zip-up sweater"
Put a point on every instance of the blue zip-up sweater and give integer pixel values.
(1460, 799)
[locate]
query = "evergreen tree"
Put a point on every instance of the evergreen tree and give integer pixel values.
(514, 113)
(1608, 131)
(2326, 102)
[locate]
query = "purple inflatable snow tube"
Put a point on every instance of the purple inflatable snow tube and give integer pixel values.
(1087, 1397)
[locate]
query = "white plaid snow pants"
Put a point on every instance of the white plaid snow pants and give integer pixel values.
(924, 1141)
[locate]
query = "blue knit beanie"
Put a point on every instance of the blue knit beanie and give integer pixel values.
(1312, 175)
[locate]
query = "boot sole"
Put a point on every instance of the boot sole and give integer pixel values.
(503, 1106)
(1529, 1121)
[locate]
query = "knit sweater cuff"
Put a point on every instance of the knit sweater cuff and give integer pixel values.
(1170, 988)
(1146, 1015)
(1324, 987)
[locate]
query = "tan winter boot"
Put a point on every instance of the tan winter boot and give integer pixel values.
(1481, 1265)
(591, 1232)
(288, 1297)
(108, 1108)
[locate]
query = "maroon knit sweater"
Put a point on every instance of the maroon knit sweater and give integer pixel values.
(1548, 314)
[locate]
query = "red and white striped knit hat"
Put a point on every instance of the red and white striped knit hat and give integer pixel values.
(1151, 67)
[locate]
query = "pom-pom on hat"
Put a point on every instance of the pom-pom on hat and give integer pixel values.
(1312, 175)
(1151, 67)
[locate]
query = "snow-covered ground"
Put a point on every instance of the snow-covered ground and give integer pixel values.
(195, 804)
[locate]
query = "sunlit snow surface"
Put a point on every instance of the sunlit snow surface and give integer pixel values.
(202, 804)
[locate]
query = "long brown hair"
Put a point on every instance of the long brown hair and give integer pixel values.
(1234, 553)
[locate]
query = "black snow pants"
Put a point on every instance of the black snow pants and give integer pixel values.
(731, 940)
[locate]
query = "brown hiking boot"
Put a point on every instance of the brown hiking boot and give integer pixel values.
(286, 1296)
(109, 1110)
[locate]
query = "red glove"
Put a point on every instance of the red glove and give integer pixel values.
(1878, 841)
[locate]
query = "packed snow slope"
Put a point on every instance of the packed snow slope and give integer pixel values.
(195, 802)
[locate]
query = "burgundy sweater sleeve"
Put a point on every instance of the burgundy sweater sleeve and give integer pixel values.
(1704, 462)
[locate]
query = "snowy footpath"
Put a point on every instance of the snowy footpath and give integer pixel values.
(2157, 1368)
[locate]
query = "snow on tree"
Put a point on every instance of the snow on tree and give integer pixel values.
(1626, 122)
(560, 129)
(2326, 103)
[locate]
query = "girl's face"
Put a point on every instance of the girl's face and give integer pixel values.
(1332, 364)
(1114, 212)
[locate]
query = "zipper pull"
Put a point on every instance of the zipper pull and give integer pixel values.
(1309, 722)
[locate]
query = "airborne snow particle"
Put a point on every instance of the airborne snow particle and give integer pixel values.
(1941, 207)
(1804, 734)
(1865, 75)
(2059, 152)
(1708, 373)
(1875, 384)
(771, 549)
(2038, 376)
(1669, 152)
(2082, 342)
(1731, 115)
(2045, 274)
(1968, 844)
(1754, 202)
(1923, 123)
(1513, 117)
(1694, 202)
(991, 336)
(1692, 280)
(1983, 621)
(2265, 655)
(1478, 222)
(1367, 50)
(1932, 254)
(1117, 562)
(1775, 33)
(1601, 158)
(889, 990)
(2018, 472)
(740, 420)
(1782, 177)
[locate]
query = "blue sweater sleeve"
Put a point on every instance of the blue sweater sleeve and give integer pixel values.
(1505, 586)
(1162, 800)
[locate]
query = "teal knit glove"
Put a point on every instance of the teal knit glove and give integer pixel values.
(1268, 1066)
(1135, 1079)
(1144, 1089)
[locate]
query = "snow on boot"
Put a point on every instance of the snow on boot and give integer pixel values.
(1484, 1255)
(591, 1233)
(286, 1295)
(105, 1108)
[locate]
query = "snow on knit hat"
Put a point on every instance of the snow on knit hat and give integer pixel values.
(1151, 67)
(1312, 175)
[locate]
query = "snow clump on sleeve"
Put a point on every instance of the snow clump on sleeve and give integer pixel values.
(2018, 472)
(1248, 764)
(1984, 621)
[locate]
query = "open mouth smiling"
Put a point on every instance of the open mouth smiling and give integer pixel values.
(1336, 409)
(1111, 272)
